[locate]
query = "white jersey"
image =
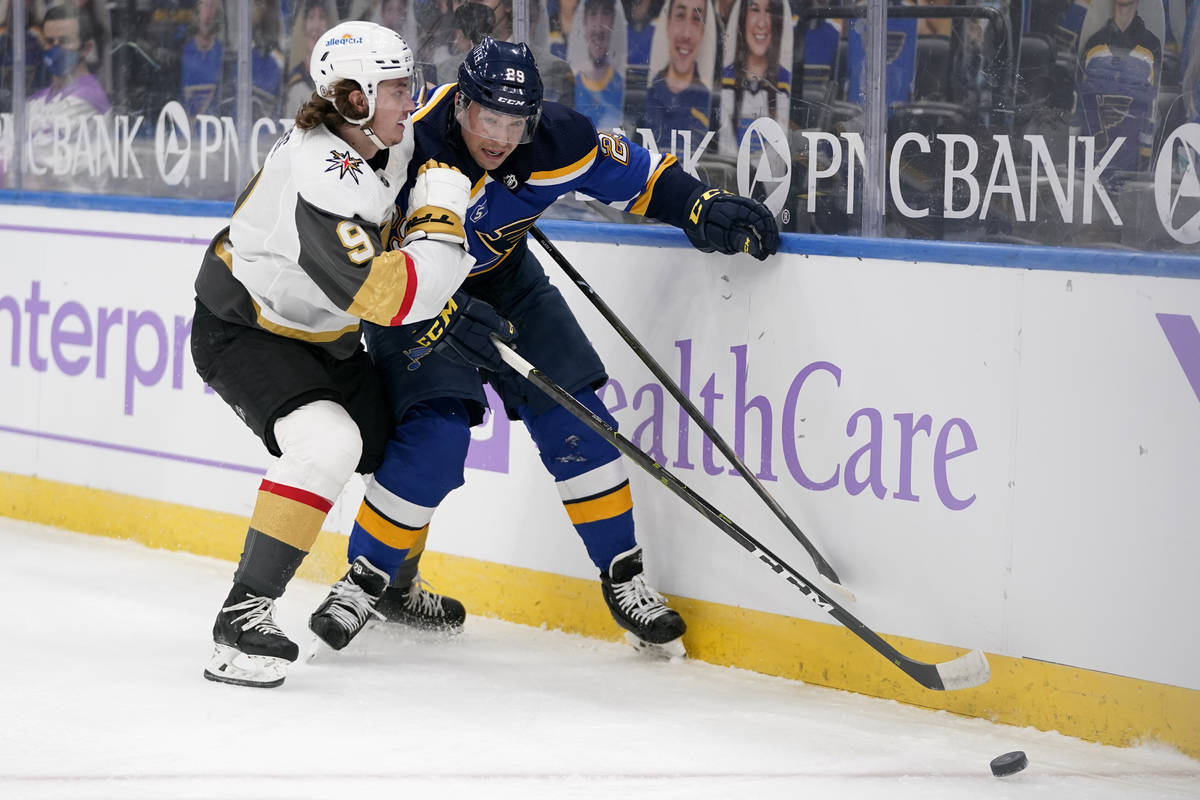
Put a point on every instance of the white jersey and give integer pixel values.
(304, 255)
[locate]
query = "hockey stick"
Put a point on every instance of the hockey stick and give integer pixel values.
(960, 673)
(822, 565)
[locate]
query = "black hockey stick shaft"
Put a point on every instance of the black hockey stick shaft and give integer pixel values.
(960, 673)
(823, 566)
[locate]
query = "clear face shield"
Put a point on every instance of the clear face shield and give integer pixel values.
(508, 130)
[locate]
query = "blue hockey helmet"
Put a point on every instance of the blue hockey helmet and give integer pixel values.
(501, 77)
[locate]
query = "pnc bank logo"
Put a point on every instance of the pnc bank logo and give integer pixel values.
(172, 143)
(1177, 184)
(764, 164)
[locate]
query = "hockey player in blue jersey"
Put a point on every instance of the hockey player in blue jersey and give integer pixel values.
(520, 154)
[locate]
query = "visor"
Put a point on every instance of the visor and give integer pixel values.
(509, 129)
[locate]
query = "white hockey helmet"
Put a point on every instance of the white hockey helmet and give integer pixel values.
(362, 52)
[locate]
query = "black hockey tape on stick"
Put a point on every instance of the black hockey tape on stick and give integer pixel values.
(819, 561)
(964, 672)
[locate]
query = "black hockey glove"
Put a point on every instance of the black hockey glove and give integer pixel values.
(466, 339)
(729, 223)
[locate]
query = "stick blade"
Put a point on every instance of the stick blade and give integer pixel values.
(965, 672)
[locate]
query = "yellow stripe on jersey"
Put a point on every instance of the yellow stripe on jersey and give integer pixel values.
(249, 190)
(386, 531)
(477, 189)
(304, 336)
(596, 85)
(698, 114)
(222, 251)
(382, 293)
(643, 200)
(605, 506)
(563, 174)
(439, 94)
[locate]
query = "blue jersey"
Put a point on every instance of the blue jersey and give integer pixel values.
(1117, 89)
(901, 61)
(601, 102)
(668, 111)
(565, 155)
(200, 72)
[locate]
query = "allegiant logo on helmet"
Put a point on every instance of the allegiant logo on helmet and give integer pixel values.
(344, 39)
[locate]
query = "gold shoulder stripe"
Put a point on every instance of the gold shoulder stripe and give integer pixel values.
(384, 291)
(221, 250)
(551, 174)
(700, 115)
(438, 95)
(643, 202)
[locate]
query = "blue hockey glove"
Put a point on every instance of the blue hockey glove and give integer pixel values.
(466, 339)
(729, 223)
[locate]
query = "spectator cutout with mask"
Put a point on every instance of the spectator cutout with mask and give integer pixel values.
(56, 112)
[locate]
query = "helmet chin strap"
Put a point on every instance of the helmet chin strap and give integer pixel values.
(365, 127)
(375, 140)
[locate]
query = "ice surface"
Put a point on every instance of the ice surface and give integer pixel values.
(101, 695)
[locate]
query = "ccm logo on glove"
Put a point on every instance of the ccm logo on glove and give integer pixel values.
(719, 221)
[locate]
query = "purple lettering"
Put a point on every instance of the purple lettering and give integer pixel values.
(907, 431)
(183, 333)
(618, 393)
(106, 320)
(60, 337)
(14, 308)
(685, 381)
(133, 368)
(35, 306)
(941, 456)
(788, 426)
(654, 422)
(740, 407)
(1185, 341)
(491, 453)
(873, 448)
(710, 395)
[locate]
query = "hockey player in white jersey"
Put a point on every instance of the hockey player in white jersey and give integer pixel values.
(280, 297)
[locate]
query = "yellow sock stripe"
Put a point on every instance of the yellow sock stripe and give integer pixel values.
(287, 520)
(388, 532)
(418, 547)
(605, 506)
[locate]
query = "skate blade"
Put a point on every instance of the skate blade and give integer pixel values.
(422, 626)
(668, 651)
(232, 666)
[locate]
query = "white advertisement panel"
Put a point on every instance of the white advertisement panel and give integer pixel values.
(989, 457)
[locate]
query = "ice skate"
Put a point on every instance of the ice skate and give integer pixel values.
(417, 606)
(350, 604)
(653, 627)
(249, 648)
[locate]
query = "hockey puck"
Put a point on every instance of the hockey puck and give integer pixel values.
(1009, 763)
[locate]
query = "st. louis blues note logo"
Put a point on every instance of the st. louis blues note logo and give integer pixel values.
(348, 164)
(415, 354)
